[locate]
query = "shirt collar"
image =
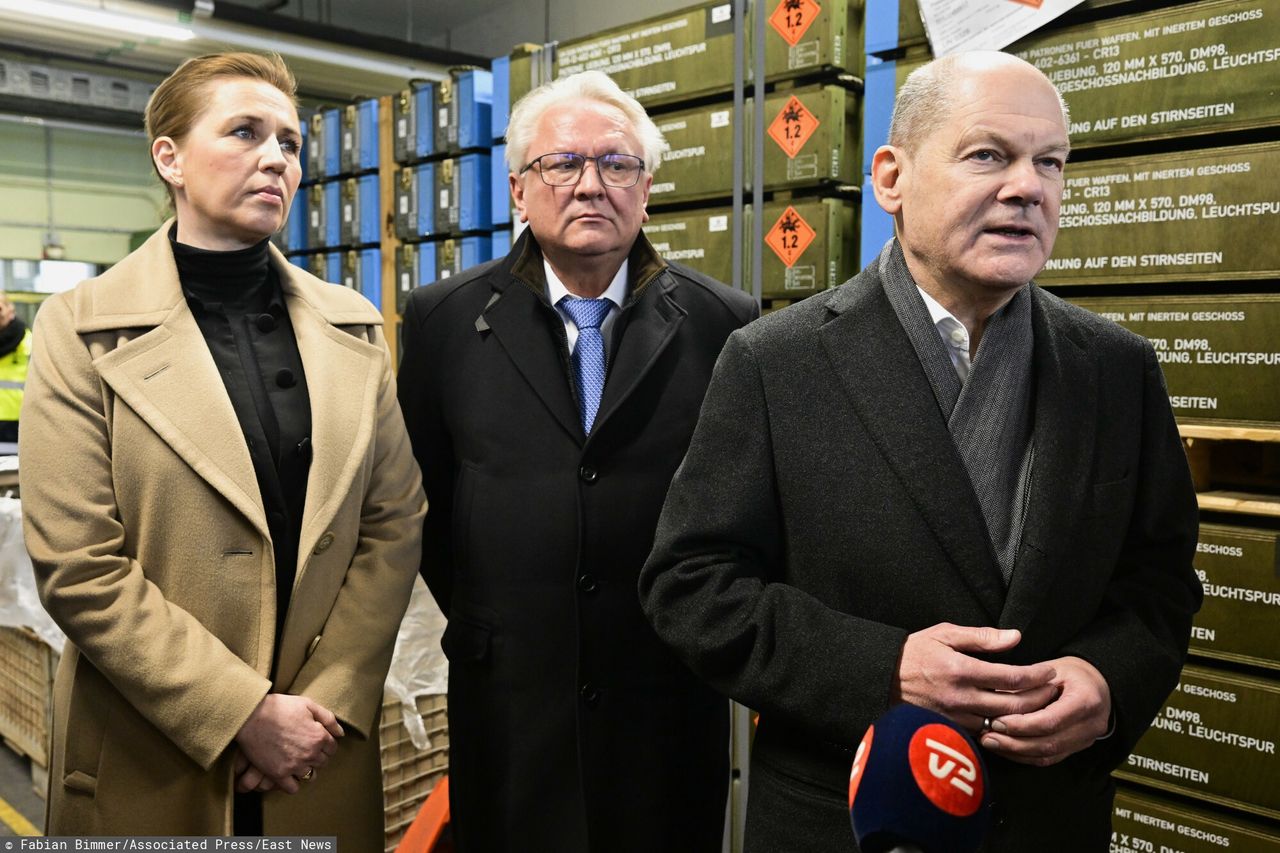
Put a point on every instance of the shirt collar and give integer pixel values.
(615, 293)
(936, 312)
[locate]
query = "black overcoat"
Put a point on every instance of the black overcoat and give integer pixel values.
(572, 728)
(823, 513)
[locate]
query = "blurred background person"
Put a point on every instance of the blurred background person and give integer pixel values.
(15, 353)
(220, 502)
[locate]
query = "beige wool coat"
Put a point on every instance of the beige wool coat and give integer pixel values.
(151, 549)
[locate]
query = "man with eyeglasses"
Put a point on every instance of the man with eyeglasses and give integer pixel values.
(550, 396)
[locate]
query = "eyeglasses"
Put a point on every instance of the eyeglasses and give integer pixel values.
(564, 169)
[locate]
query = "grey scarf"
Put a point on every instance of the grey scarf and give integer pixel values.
(990, 415)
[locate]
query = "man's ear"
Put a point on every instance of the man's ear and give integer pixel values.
(164, 152)
(517, 196)
(887, 168)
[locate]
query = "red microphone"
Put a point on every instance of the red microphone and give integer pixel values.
(918, 785)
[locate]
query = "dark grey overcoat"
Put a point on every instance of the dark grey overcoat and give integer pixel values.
(823, 513)
(572, 727)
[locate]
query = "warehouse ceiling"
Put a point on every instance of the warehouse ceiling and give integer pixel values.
(333, 61)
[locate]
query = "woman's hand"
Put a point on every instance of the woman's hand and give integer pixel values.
(285, 738)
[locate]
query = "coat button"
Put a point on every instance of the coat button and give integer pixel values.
(311, 647)
(588, 474)
(324, 543)
(587, 583)
(590, 694)
(285, 377)
(266, 323)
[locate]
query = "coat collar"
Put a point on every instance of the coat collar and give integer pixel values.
(529, 329)
(116, 301)
(168, 377)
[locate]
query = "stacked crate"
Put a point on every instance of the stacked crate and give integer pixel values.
(27, 666)
(335, 224)
(408, 773)
(681, 68)
(444, 152)
(1169, 210)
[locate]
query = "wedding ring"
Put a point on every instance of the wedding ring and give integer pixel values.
(986, 724)
(306, 777)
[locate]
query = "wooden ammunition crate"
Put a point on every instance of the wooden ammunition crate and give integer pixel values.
(408, 773)
(26, 685)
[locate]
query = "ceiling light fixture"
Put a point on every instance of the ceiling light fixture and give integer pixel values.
(86, 16)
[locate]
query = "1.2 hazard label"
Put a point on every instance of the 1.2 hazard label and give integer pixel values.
(792, 19)
(790, 236)
(793, 126)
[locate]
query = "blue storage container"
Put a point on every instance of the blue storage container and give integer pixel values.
(501, 243)
(333, 267)
(462, 194)
(362, 272)
(295, 227)
(333, 213)
(332, 147)
(499, 188)
(317, 225)
(361, 216)
(360, 136)
(501, 109)
(473, 108)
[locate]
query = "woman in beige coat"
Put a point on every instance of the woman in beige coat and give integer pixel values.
(220, 502)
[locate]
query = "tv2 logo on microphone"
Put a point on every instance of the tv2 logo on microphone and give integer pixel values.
(946, 769)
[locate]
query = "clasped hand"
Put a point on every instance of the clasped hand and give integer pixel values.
(285, 738)
(1036, 714)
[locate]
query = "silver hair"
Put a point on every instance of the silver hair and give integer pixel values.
(586, 86)
(925, 99)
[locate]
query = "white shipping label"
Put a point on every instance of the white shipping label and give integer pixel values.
(402, 128)
(404, 205)
(443, 119)
(717, 223)
(444, 198)
(720, 118)
(346, 213)
(720, 14)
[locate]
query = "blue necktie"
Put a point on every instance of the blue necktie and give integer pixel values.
(588, 354)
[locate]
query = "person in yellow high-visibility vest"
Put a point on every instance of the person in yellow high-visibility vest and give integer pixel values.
(15, 352)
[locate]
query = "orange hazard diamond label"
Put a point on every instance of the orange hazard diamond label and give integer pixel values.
(792, 19)
(790, 236)
(1034, 4)
(793, 126)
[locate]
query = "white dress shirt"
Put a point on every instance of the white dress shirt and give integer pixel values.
(953, 333)
(616, 293)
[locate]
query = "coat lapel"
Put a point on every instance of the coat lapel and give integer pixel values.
(1065, 410)
(650, 324)
(343, 376)
(873, 358)
(519, 319)
(167, 375)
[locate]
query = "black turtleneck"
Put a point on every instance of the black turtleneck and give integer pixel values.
(239, 306)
